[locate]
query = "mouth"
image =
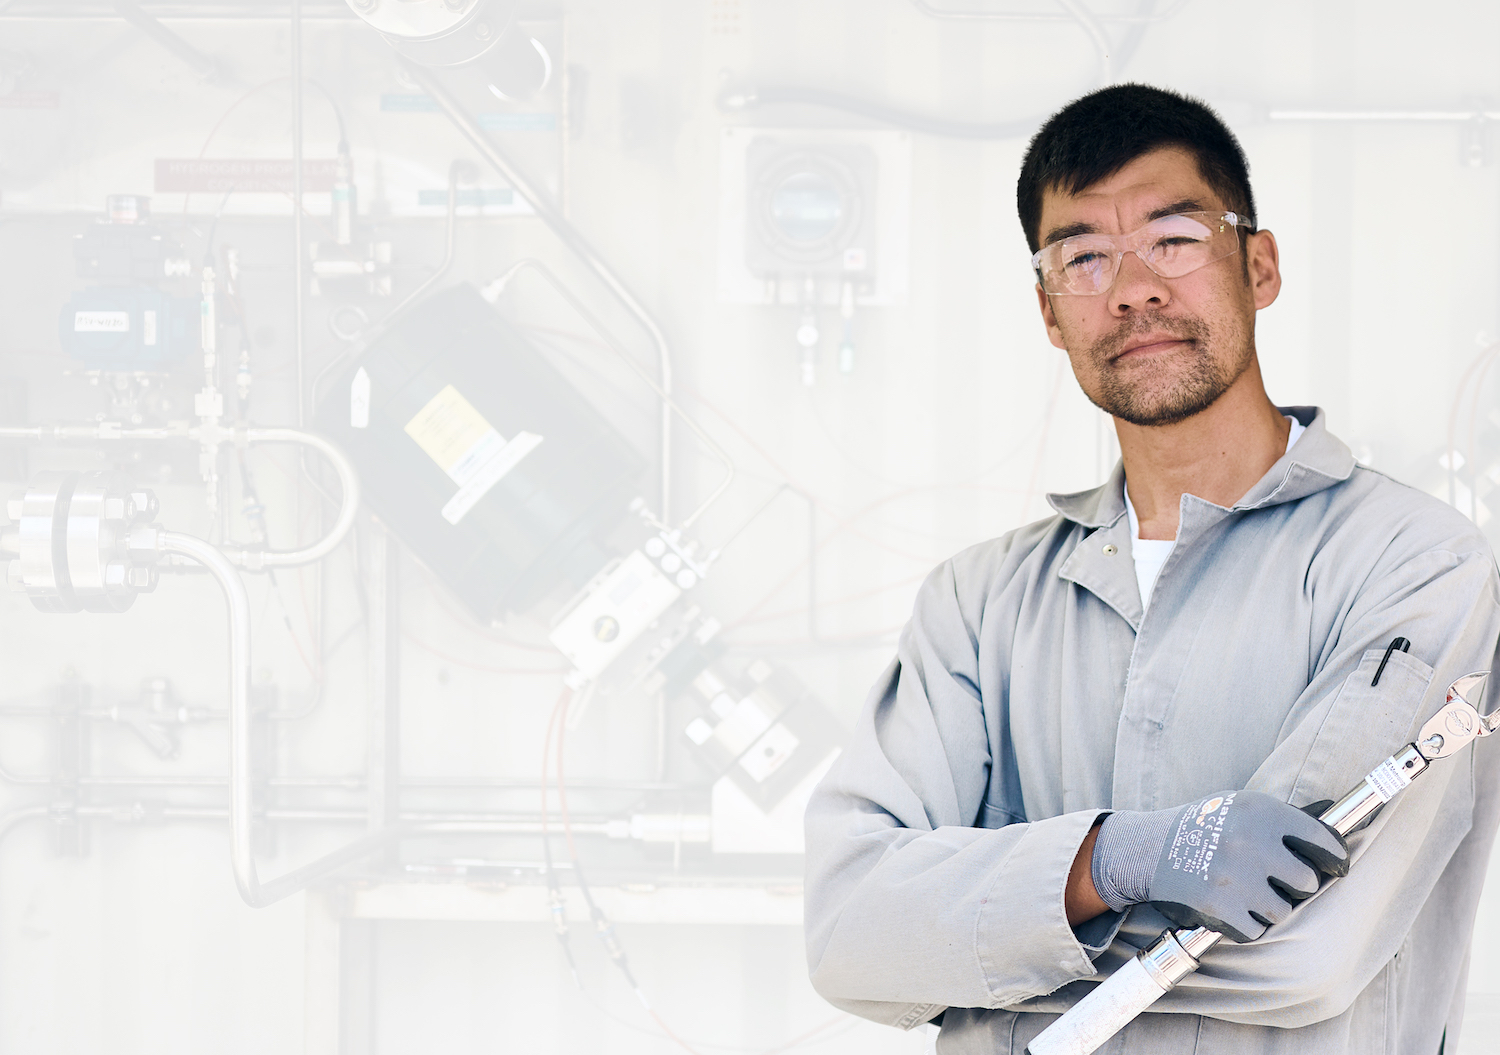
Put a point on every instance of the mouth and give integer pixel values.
(1150, 346)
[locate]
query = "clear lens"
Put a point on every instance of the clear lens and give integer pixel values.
(1171, 246)
(807, 207)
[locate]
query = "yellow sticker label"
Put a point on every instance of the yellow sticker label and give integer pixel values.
(454, 434)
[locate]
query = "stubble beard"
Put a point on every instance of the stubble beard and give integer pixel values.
(1171, 389)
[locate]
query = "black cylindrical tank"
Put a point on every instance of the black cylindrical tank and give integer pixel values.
(479, 455)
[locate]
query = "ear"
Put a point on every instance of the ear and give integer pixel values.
(1263, 261)
(1054, 333)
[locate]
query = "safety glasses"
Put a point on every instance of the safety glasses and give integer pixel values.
(1171, 246)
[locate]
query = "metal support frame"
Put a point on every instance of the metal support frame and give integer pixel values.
(383, 687)
(202, 65)
(341, 943)
(299, 245)
(72, 762)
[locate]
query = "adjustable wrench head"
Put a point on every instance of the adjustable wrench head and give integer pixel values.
(1460, 721)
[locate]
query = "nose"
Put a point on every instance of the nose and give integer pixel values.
(1136, 287)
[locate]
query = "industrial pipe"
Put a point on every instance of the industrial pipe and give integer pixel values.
(348, 504)
(241, 790)
(202, 65)
(253, 559)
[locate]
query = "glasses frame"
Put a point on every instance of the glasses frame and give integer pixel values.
(1232, 218)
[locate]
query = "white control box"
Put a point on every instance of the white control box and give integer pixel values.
(615, 612)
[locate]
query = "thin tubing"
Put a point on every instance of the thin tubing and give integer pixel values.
(450, 240)
(1085, 18)
(570, 237)
(412, 297)
(665, 396)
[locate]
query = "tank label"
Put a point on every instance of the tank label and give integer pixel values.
(466, 447)
(101, 322)
(454, 435)
(490, 473)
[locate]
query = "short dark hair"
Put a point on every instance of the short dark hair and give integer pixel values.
(1097, 135)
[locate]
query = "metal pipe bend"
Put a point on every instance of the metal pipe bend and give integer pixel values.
(255, 559)
(241, 791)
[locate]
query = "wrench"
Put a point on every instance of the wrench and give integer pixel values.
(1115, 1002)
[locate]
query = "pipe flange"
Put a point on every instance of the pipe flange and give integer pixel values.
(74, 542)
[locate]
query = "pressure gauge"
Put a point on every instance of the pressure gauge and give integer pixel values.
(460, 32)
(415, 19)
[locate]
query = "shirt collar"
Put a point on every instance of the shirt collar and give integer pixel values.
(1317, 461)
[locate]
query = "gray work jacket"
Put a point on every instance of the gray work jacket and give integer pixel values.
(1029, 694)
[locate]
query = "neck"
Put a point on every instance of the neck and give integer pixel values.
(1216, 455)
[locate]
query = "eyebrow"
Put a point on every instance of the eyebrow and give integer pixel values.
(1072, 230)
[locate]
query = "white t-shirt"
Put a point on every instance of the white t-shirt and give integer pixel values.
(1151, 553)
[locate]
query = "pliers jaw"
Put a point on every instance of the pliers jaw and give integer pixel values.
(1459, 722)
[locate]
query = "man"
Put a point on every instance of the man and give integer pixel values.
(1081, 710)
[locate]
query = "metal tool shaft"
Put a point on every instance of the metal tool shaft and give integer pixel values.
(1156, 969)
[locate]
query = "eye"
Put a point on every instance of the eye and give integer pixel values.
(1084, 258)
(1179, 230)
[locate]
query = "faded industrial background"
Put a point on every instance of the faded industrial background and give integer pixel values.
(668, 343)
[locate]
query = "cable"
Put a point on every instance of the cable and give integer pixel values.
(549, 672)
(603, 927)
(213, 229)
(338, 116)
(555, 903)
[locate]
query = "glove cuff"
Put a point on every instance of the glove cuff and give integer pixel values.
(1126, 854)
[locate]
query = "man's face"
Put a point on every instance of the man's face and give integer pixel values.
(1152, 350)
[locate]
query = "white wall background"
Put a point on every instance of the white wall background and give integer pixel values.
(957, 418)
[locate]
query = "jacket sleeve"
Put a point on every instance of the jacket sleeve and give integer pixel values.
(1312, 967)
(910, 906)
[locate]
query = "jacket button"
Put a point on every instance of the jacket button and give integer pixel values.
(1110, 549)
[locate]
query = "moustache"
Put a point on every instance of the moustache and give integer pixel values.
(1180, 327)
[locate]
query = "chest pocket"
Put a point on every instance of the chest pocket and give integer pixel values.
(1360, 727)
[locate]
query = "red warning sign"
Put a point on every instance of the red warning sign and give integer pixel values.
(242, 175)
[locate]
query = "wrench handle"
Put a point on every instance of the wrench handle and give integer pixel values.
(1156, 969)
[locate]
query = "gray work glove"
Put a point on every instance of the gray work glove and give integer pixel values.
(1236, 862)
